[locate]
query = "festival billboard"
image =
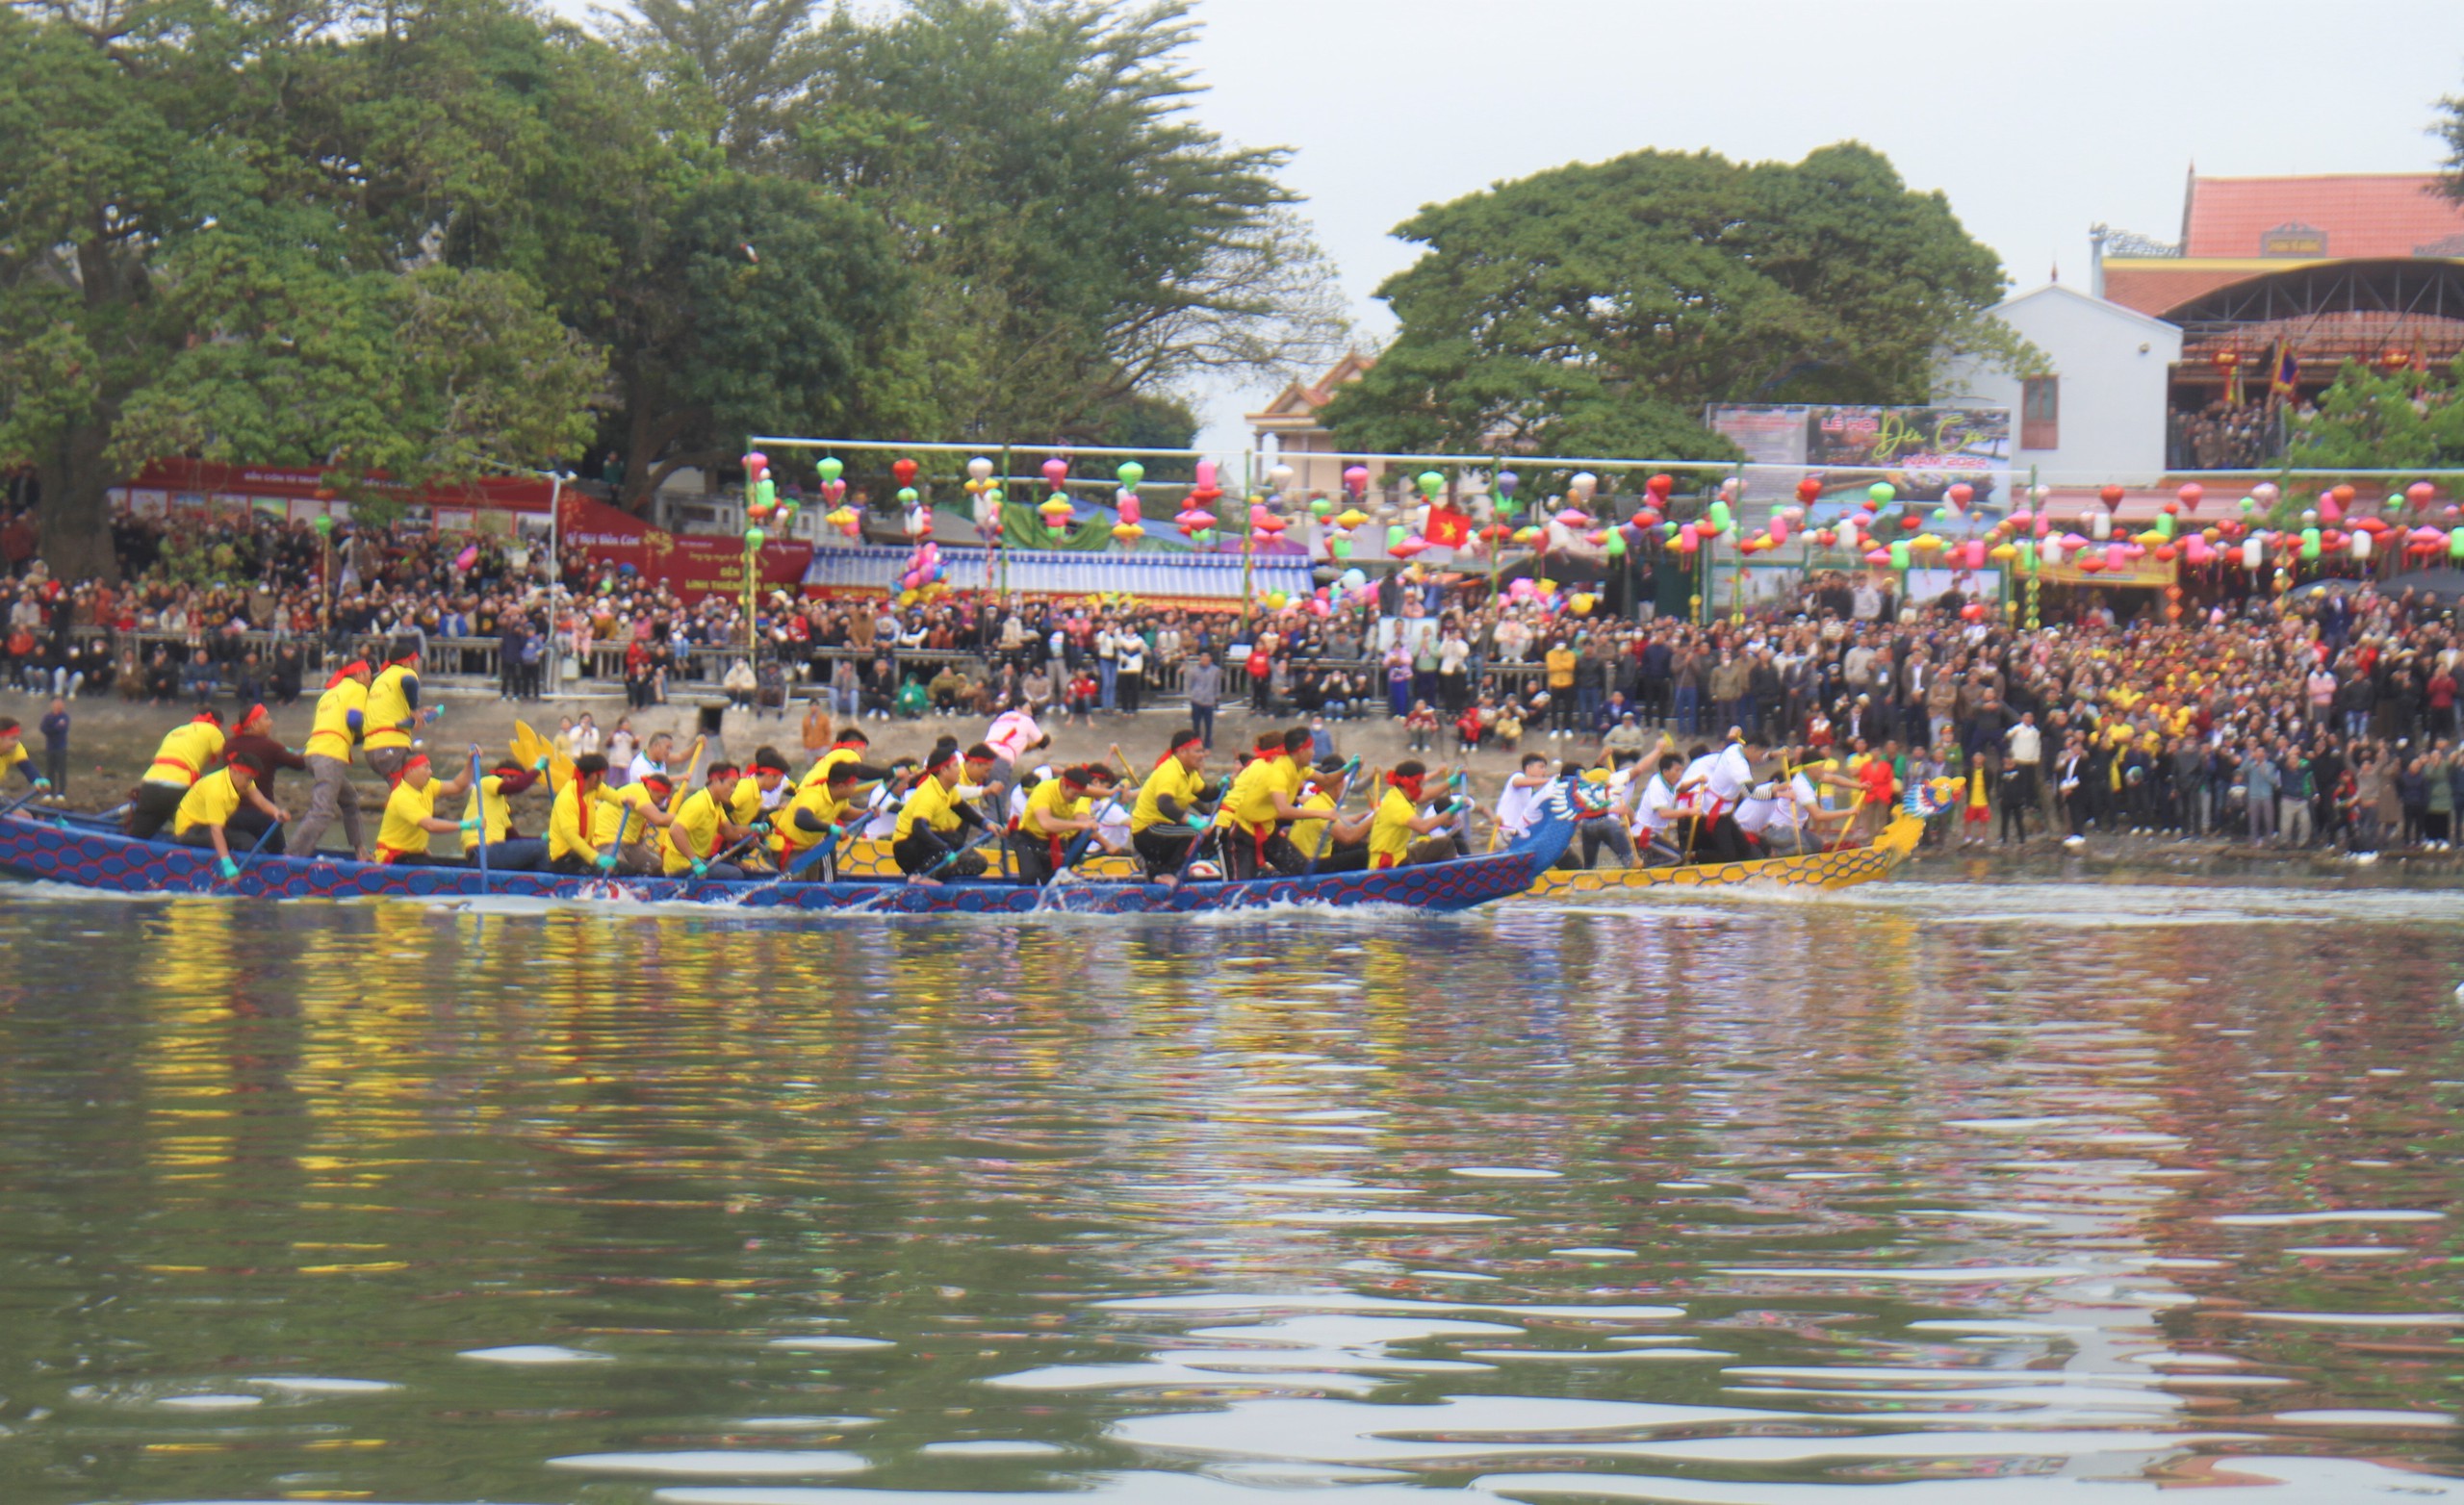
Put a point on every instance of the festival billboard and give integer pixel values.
(1920, 451)
(691, 565)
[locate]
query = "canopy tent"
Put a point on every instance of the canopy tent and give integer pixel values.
(1178, 576)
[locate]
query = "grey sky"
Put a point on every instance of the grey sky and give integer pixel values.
(2036, 120)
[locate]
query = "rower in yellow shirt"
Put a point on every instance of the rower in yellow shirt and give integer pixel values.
(1260, 799)
(1339, 842)
(507, 850)
(342, 720)
(850, 748)
(393, 709)
(572, 817)
(1057, 810)
(924, 843)
(13, 754)
(224, 803)
(411, 818)
(1163, 822)
(186, 755)
(761, 793)
(626, 823)
(702, 830)
(818, 815)
(1400, 833)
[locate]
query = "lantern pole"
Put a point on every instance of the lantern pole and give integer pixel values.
(1248, 542)
(1497, 545)
(1001, 528)
(2036, 560)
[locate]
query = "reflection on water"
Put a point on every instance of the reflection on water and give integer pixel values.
(2015, 1194)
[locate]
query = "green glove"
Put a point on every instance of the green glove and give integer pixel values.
(470, 825)
(539, 764)
(607, 862)
(229, 868)
(701, 869)
(43, 786)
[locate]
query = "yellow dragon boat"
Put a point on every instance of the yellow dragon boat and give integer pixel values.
(1842, 868)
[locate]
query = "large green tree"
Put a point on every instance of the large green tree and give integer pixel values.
(1078, 239)
(221, 235)
(1596, 309)
(2373, 419)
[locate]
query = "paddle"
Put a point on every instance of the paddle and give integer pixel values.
(262, 837)
(20, 803)
(826, 844)
(480, 798)
(951, 855)
(1327, 827)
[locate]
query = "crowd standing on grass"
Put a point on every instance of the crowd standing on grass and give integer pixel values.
(2307, 718)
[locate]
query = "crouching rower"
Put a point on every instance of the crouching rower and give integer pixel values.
(13, 754)
(572, 846)
(923, 842)
(1259, 800)
(1400, 833)
(410, 814)
(1163, 825)
(494, 844)
(224, 803)
(1342, 842)
(819, 816)
(1058, 810)
(702, 831)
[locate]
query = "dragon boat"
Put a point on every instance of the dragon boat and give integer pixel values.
(1840, 868)
(89, 853)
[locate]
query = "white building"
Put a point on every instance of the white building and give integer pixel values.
(2099, 413)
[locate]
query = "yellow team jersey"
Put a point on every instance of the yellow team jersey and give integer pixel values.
(625, 806)
(186, 752)
(1251, 800)
(566, 837)
(331, 736)
(387, 707)
(400, 834)
(1050, 800)
(931, 805)
(744, 805)
(1391, 834)
(1171, 780)
(698, 817)
(212, 800)
(820, 772)
(815, 800)
(487, 805)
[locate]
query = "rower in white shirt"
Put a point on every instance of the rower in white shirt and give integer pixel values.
(1656, 814)
(1519, 802)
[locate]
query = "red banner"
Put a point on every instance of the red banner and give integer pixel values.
(691, 565)
(505, 493)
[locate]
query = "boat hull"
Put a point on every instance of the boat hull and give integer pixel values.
(89, 857)
(1844, 868)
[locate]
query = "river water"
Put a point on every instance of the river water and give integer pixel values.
(1932, 1192)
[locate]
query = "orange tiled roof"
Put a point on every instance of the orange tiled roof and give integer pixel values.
(2156, 287)
(2338, 214)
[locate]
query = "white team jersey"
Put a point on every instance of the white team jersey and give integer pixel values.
(1697, 798)
(883, 822)
(1658, 810)
(1517, 806)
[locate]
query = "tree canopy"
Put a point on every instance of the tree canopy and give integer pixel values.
(2374, 420)
(454, 237)
(1596, 309)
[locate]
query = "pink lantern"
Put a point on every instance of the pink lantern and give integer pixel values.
(2117, 556)
(1356, 480)
(1055, 472)
(2191, 495)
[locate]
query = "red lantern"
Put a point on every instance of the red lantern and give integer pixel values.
(1810, 488)
(1911, 522)
(2110, 495)
(1659, 486)
(2343, 495)
(1961, 495)
(2191, 494)
(904, 470)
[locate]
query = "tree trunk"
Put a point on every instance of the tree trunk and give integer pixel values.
(76, 514)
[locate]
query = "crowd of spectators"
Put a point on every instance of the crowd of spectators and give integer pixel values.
(2313, 718)
(2224, 435)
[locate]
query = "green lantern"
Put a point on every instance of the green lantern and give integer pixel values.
(753, 537)
(1131, 473)
(1341, 548)
(907, 496)
(1899, 556)
(1431, 482)
(1882, 492)
(832, 467)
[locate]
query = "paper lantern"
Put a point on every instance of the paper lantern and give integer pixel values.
(2190, 496)
(1350, 517)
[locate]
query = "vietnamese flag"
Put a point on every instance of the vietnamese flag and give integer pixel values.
(1447, 527)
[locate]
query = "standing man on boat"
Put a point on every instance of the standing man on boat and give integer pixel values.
(393, 711)
(186, 752)
(340, 724)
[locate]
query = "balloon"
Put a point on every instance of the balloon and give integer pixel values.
(1877, 556)
(2100, 526)
(2266, 493)
(1350, 517)
(1881, 493)
(907, 497)
(2344, 495)
(1128, 532)
(2455, 542)
(1320, 506)
(2331, 510)
(1779, 531)
(904, 470)
(1131, 473)
(2361, 545)
(2310, 543)
(2003, 553)
(1615, 543)
(2164, 524)
(1054, 509)
(830, 467)
(2254, 552)
(1396, 533)
(1579, 603)
(1205, 478)
(1686, 541)
(1810, 488)
(756, 462)
(2050, 551)
(1582, 485)
(753, 537)
(1055, 472)
(1430, 483)
(2419, 493)
(1340, 547)
(1717, 514)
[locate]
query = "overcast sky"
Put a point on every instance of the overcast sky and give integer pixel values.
(2035, 119)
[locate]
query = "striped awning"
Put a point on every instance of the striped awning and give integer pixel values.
(1172, 576)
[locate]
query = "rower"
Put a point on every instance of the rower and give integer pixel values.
(1727, 780)
(922, 842)
(1519, 802)
(850, 748)
(1056, 811)
(1259, 800)
(187, 753)
(393, 710)
(13, 754)
(1346, 848)
(761, 793)
(637, 812)
(410, 813)
(702, 830)
(253, 739)
(223, 802)
(1400, 833)
(1162, 824)
(571, 848)
(342, 722)
(819, 814)
(1656, 814)
(495, 845)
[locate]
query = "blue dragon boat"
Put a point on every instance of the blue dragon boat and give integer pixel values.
(89, 853)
